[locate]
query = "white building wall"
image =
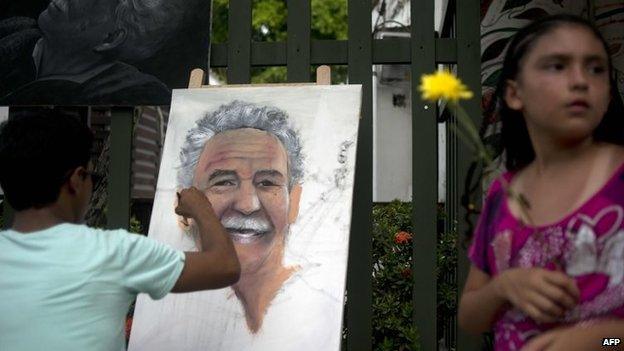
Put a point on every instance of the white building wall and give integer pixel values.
(392, 123)
(392, 143)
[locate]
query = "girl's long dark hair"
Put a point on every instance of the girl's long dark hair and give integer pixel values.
(515, 141)
(515, 136)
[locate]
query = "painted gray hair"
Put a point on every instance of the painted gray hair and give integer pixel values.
(149, 24)
(237, 115)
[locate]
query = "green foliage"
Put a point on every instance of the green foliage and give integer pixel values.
(268, 75)
(329, 19)
(446, 265)
(393, 328)
(135, 225)
(392, 279)
(269, 23)
(269, 19)
(219, 32)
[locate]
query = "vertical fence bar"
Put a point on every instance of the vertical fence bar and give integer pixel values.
(424, 175)
(468, 67)
(239, 42)
(298, 44)
(7, 211)
(119, 171)
(452, 200)
(7, 215)
(359, 277)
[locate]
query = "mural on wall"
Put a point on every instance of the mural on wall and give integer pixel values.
(500, 19)
(277, 164)
(100, 52)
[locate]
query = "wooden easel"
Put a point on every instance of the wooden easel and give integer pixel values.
(198, 80)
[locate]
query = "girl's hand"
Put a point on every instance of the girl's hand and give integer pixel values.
(542, 294)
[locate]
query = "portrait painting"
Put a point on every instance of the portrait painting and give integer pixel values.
(100, 52)
(277, 164)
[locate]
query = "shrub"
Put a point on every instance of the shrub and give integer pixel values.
(393, 327)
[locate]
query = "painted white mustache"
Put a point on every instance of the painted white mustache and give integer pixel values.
(246, 224)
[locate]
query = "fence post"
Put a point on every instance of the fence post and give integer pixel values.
(7, 212)
(359, 271)
(424, 175)
(298, 44)
(120, 168)
(7, 215)
(239, 42)
(469, 70)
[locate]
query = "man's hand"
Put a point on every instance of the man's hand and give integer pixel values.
(543, 295)
(191, 203)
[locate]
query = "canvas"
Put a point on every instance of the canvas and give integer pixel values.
(277, 164)
(100, 52)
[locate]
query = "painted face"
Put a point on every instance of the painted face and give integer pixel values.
(562, 87)
(244, 174)
(78, 23)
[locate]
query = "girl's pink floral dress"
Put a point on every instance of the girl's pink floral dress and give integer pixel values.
(587, 244)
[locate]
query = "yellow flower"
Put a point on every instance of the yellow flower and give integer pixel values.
(443, 85)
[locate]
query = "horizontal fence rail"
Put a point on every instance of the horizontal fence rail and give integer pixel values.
(335, 52)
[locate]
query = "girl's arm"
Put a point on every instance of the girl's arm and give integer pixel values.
(580, 338)
(541, 294)
(480, 302)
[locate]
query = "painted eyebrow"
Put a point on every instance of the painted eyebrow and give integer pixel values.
(221, 173)
(269, 173)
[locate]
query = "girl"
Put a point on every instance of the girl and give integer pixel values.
(548, 273)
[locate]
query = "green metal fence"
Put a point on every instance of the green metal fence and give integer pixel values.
(423, 50)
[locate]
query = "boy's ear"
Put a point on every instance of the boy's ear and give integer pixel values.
(76, 179)
(512, 95)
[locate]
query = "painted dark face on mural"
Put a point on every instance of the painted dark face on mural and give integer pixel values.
(78, 23)
(244, 174)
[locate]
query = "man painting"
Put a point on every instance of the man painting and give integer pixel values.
(88, 51)
(248, 162)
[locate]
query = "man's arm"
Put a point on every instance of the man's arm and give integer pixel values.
(216, 265)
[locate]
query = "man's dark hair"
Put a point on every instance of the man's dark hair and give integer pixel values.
(38, 151)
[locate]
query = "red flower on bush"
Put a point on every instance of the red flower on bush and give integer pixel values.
(402, 237)
(406, 272)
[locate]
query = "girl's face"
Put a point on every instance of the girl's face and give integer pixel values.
(562, 86)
